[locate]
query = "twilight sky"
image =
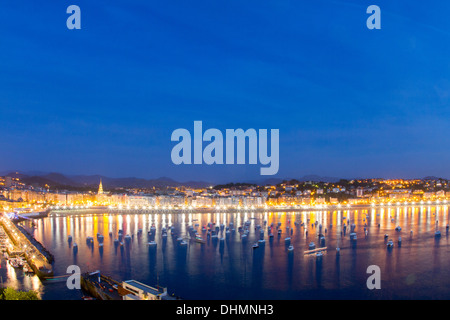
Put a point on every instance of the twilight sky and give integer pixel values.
(348, 101)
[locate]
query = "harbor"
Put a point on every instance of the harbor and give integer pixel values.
(210, 255)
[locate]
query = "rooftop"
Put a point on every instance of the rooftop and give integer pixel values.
(144, 287)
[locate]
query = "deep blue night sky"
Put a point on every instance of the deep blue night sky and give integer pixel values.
(348, 101)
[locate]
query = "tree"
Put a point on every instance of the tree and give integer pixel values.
(11, 294)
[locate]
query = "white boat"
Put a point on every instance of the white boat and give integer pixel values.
(390, 244)
(152, 243)
(287, 239)
(13, 262)
(291, 248)
(255, 246)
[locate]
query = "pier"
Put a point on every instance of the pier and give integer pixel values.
(22, 246)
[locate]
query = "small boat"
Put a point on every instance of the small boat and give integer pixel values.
(288, 239)
(437, 234)
(27, 269)
(291, 248)
(312, 246)
(14, 263)
(262, 241)
(255, 246)
(390, 244)
(199, 239)
(183, 243)
(398, 228)
(152, 243)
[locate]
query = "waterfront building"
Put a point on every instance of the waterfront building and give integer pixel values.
(141, 201)
(140, 291)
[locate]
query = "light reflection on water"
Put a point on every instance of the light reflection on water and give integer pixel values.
(233, 270)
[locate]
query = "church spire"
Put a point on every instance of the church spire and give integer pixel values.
(100, 187)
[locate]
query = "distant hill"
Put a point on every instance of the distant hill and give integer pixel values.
(432, 178)
(58, 180)
(316, 178)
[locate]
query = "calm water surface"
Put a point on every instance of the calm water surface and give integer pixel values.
(418, 269)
